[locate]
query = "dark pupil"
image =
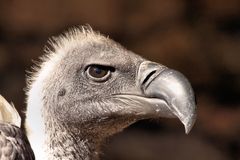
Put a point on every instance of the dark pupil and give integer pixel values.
(97, 72)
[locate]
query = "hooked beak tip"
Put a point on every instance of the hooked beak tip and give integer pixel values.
(172, 87)
(189, 122)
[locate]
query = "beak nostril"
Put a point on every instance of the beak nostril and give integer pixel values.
(196, 100)
(148, 76)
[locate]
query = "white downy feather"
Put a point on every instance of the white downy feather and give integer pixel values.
(8, 113)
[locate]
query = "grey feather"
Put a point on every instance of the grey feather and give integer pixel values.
(14, 145)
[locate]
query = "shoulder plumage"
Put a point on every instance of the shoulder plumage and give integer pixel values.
(14, 143)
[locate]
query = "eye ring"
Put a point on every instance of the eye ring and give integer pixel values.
(98, 73)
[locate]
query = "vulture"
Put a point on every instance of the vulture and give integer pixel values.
(88, 87)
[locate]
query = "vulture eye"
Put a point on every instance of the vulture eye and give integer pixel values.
(99, 73)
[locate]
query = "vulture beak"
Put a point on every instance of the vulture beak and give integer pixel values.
(170, 92)
(164, 93)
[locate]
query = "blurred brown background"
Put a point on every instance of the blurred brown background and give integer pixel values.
(200, 38)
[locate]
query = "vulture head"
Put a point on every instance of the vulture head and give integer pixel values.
(89, 87)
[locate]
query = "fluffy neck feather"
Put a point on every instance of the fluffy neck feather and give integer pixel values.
(55, 142)
(47, 138)
(43, 139)
(34, 120)
(58, 143)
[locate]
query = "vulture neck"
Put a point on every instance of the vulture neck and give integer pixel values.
(52, 141)
(48, 139)
(62, 144)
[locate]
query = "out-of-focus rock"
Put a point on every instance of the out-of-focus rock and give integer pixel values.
(48, 16)
(220, 8)
(4, 59)
(141, 145)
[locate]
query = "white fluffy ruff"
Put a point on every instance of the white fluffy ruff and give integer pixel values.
(60, 46)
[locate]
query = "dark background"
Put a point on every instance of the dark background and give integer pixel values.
(200, 38)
